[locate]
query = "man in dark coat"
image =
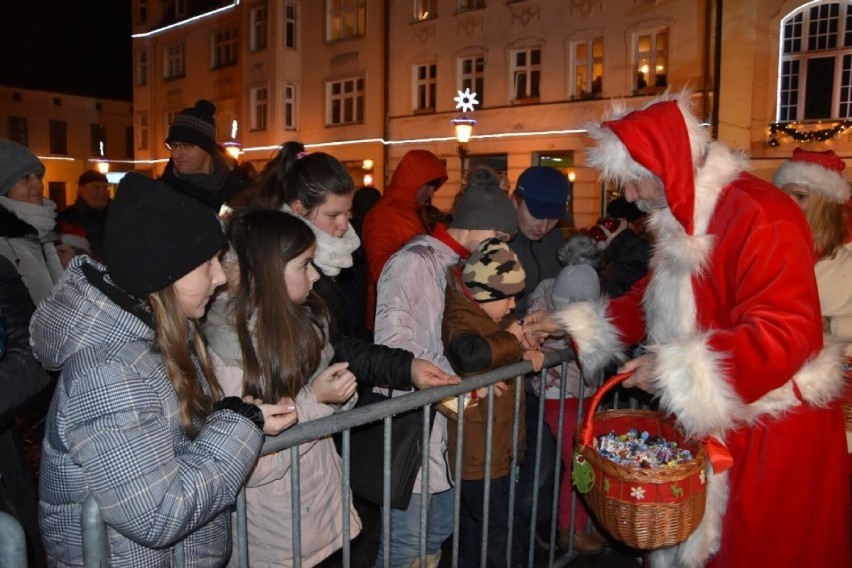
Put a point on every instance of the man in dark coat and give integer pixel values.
(198, 165)
(87, 215)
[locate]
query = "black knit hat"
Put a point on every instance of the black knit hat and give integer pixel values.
(196, 125)
(483, 205)
(91, 175)
(155, 235)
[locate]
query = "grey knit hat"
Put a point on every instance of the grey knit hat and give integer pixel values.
(575, 283)
(483, 205)
(16, 163)
(493, 272)
(196, 125)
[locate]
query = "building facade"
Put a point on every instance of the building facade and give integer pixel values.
(367, 80)
(69, 133)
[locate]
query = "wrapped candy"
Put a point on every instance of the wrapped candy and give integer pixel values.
(641, 450)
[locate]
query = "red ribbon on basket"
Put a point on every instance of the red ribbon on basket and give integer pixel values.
(718, 454)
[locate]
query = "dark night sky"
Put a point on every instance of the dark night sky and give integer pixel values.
(79, 47)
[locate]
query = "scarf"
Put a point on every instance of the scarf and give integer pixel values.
(333, 253)
(42, 217)
(211, 182)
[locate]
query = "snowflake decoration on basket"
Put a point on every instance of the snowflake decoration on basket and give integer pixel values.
(465, 100)
(637, 493)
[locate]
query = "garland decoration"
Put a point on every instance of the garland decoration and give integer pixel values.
(820, 135)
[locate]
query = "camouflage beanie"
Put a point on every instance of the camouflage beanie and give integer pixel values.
(493, 272)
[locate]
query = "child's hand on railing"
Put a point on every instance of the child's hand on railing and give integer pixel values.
(335, 385)
(535, 357)
(540, 324)
(499, 388)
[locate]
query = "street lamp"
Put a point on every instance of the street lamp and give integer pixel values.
(463, 127)
(367, 168)
(232, 147)
(463, 124)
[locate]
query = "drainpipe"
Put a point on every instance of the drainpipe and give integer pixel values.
(385, 94)
(717, 68)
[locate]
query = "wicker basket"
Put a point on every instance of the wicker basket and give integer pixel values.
(643, 508)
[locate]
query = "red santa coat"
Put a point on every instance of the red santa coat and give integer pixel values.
(730, 308)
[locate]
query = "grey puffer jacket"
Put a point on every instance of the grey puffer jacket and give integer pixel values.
(114, 430)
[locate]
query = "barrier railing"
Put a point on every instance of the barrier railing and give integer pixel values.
(94, 529)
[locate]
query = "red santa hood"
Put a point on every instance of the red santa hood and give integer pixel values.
(664, 139)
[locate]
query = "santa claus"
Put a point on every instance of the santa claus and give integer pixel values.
(728, 318)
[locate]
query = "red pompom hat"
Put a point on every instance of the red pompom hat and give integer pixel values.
(820, 172)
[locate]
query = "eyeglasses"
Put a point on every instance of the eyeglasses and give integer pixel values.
(179, 147)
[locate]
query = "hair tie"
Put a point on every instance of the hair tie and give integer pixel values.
(301, 154)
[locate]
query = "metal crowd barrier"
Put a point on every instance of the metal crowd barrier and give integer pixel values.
(94, 529)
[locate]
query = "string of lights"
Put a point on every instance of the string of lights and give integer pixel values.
(819, 135)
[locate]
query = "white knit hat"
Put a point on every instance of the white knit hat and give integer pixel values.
(820, 172)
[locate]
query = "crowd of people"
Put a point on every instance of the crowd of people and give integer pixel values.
(174, 334)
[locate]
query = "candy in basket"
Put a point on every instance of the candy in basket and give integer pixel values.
(645, 501)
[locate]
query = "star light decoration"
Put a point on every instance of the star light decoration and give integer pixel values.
(465, 100)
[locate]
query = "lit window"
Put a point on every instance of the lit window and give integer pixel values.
(223, 48)
(289, 106)
(259, 107)
(472, 76)
(815, 81)
(526, 73)
(345, 18)
(651, 57)
(345, 101)
(175, 60)
(290, 25)
(425, 9)
(259, 27)
(424, 87)
(587, 74)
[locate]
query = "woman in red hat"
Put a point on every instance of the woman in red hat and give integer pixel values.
(816, 183)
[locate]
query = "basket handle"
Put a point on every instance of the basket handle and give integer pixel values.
(586, 437)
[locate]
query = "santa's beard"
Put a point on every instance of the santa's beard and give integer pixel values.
(647, 205)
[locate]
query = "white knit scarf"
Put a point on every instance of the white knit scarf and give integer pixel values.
(41, 217)
(333, 253)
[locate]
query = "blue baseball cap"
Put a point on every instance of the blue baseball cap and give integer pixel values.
(545, 191)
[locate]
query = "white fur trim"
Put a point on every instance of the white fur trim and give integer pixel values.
(696, 550)
(594, 334)
(820, 382)
(609, 155)
(694, 387)
(75, 241)
(720, 167)
(816, 178)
